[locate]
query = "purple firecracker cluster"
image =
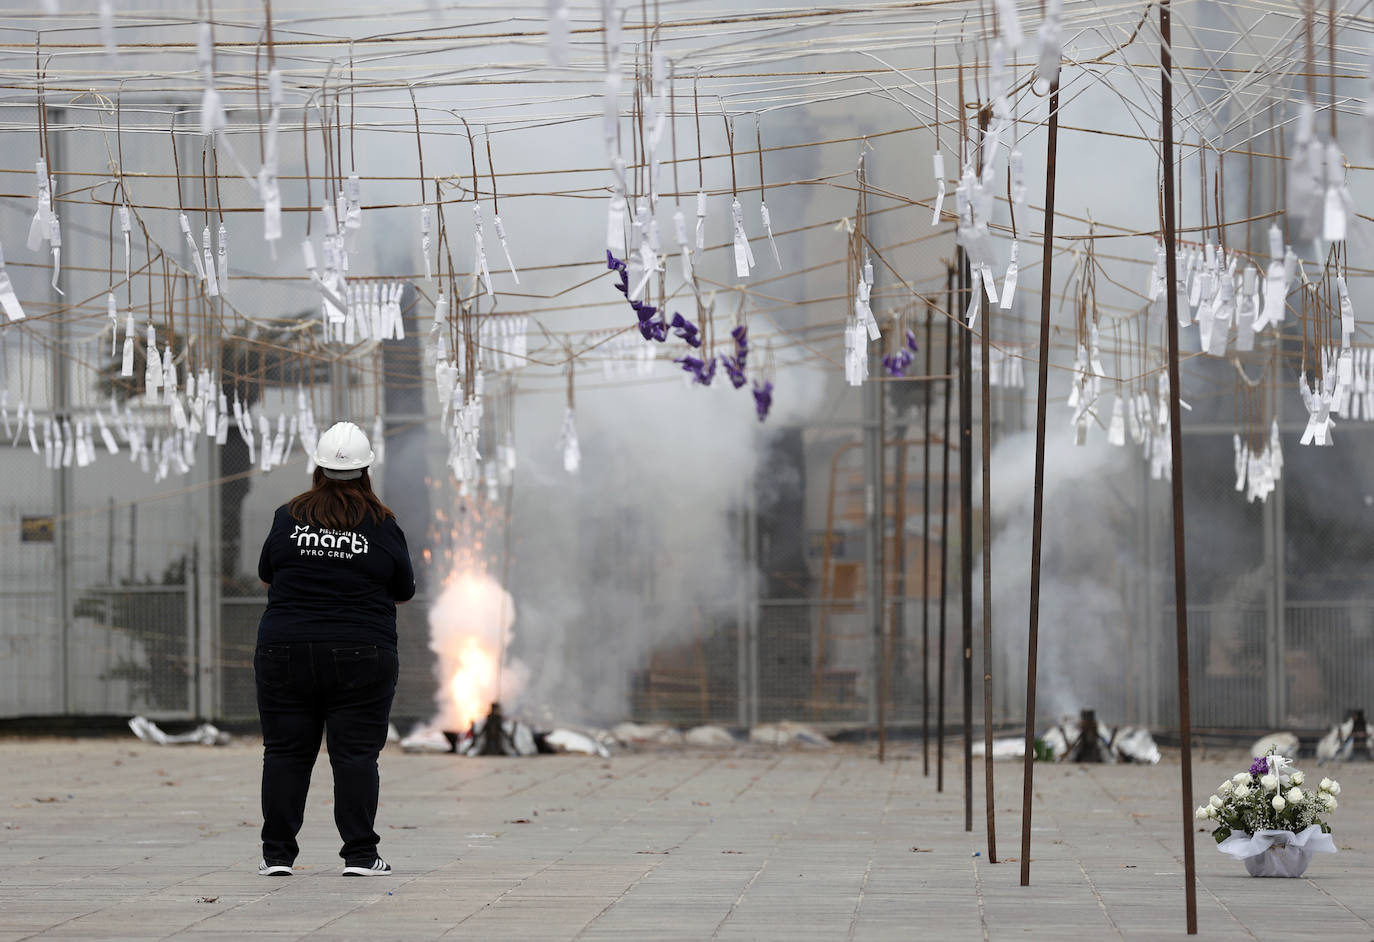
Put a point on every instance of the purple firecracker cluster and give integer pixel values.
(686, 330)
(734, 366)
(652, 326)
(703, 371)
(763, 398)
(897, 363)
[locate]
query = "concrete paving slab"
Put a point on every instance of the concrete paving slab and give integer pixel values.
(113, 839)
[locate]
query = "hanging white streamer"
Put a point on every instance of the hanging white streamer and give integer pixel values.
(191, 245)
(768, 228)
(1009, 283)
(501, 234)
(208, 256)
(559, 29)
(744, 256)
(8, 299)
(479, 262)
(701, 220)
(938, 162)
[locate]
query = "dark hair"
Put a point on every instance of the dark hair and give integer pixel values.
(339, 505)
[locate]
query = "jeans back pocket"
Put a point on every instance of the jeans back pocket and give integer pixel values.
(272, 665)
(357, 666)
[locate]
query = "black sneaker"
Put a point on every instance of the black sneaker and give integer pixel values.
(266, 869)
(378, 868)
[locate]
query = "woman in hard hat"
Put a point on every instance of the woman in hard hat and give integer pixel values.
(335, 564)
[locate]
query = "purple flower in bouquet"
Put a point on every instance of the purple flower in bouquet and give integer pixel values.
(763, 398)
(1260, 766)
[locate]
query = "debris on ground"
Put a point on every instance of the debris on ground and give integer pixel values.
(1008, 747)
(1114, 743)
(204, 734)
(709, 737)
(427, 740)
(788, 733)
(647, 734)
(1284, 744)
(570, 740)
(1348, 739)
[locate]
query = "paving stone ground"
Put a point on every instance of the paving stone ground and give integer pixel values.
(113, 839)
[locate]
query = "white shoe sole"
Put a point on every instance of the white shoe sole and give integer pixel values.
(277, 871)
(365, 872)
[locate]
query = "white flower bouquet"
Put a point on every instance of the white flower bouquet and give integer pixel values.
(1266, 817)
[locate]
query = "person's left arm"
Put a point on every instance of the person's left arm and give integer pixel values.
(403, 575)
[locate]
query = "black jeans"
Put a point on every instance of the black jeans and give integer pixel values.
(306, 689)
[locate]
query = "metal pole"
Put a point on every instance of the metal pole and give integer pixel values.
(944, 533)
(874, 430)
(985, 397)
(894, 641)
(1185, 727)
(62, 476)
(966, 529)
(925, 553)
(1038, 500)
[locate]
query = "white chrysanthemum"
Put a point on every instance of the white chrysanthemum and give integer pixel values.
(1225, 788)
(1326, 784)
(1241, 778)
(1294, 795)
(1278, 803)
(1299, 778)
(1270, 782)
(1243, 791)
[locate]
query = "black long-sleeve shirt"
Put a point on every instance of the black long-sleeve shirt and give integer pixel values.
(333, 585)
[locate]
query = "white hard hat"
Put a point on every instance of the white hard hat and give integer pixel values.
(343, 447)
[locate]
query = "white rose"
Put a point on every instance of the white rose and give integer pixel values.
(1299, 778)
(1214, 801)
(1224, 788)
(1278, 802)
(1243, 791)
(1335, 788)
(1326, 784)
(1295, 795)
(1203, 812)
(1240, 778)
(1328, 802)
(1270, 782)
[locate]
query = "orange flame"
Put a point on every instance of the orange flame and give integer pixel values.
(473, 685)
(467, 624)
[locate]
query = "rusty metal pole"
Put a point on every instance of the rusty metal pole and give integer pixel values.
(925, 551)
(985, 401)
(1038, 500)
(944, 534)
(966, 282)
(1185, 726)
